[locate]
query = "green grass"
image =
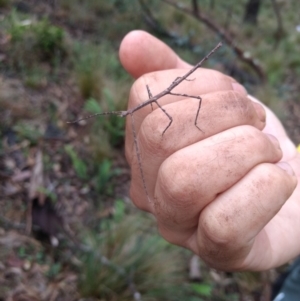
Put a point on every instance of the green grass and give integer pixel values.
(155, 267)
(88, 72)
(33, 41)
(4, 3)
(78, 164)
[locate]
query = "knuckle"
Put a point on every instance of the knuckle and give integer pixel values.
(237, 100)
(215, 235)
(239, 105)
(150, 134)
(174, 183)
(216, 76)
(271, 178)
(253, 138)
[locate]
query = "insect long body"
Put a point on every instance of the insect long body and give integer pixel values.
(154, 99)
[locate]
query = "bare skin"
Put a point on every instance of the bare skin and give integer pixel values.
(229, 193)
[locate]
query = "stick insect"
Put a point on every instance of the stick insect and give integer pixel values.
(154, 99)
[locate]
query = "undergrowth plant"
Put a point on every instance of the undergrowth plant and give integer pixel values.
(4, 3)
(104, 174)
(86, 15)
(99, 175)
(78, 164)
(33, 41)
(49, 40)
(88, 73)
(28, 131)
(35, 77)
(97, 67)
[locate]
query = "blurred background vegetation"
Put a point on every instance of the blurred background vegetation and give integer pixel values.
(67, 228)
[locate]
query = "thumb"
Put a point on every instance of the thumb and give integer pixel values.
(141, 53)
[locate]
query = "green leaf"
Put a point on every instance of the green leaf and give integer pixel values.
(54, 270)
(79, 166)
(92, 106)
(103, 185)
(119, 210)
(202, 289)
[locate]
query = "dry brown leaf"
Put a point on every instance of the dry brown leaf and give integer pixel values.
(194, 268)
(14, 239)
(21, 176)
(37, 179)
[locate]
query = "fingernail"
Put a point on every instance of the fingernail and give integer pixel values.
(287, 167)
(239, 88)
(274, 140)
(260, 111)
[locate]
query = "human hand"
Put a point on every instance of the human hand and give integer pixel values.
(220, 192)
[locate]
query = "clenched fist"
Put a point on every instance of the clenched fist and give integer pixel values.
(228, 192)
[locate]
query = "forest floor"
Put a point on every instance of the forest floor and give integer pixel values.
(68, 230)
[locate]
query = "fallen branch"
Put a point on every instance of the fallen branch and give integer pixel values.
(242, 55)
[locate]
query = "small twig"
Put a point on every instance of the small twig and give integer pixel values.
(280, 30)
(153, 22)
(195, 7)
